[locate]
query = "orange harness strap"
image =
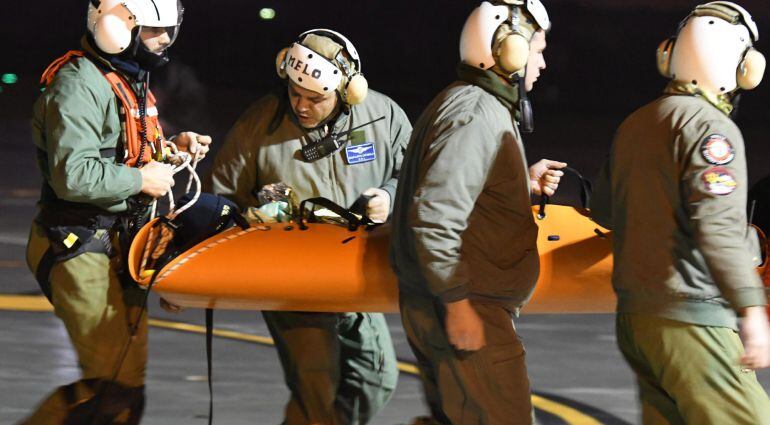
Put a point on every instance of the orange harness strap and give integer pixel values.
(132, 123)
(54, 67)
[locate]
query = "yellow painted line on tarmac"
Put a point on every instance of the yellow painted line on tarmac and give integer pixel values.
(12, 264)
(408, 368)
(186, 327)
(25, 303)
(240, 336)
(568, 414)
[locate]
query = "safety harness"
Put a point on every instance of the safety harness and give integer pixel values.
(71, 226)
(74, 228)
(138, 115)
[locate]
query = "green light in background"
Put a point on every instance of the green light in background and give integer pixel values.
(266, 13)
(9, 78)
(1, 89)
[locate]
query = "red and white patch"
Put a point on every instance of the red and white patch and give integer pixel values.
(719, 181)
(717, 150)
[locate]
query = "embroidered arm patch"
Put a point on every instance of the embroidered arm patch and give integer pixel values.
(717, 150)
(719, 181)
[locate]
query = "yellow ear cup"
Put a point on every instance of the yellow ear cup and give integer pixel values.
(279, 62)
(356, 89)
(513, 53)
(751, 70)
(663, 55)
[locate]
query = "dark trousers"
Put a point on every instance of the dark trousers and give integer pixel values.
(341, 368)
(97, 311)
(486, 387)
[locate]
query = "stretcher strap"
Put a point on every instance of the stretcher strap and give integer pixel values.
(353, 221)
(586, 190)
(209, 341)
(133, 329)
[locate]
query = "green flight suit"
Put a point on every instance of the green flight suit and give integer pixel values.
(74, 119)
(340, 368)
(463, 228)
(674, 193)
(97, 311)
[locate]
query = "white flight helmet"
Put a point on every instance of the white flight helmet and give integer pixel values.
(478, 44)
(112, 22)
(313, 71)
(713, 49)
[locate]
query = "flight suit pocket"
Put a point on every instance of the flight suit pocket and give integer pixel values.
(506, 376)
(500, 354)
(362, 345)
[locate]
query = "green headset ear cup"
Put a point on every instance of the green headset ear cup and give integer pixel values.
(356, 89)
(279, 62)
(663, 56)
(751, 70)
(513, 53)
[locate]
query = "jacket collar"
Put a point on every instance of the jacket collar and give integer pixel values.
(720, 101)
(112, 63)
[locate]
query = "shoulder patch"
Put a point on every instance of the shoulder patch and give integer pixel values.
(717, 150)
(719, 181)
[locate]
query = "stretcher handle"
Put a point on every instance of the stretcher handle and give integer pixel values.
(763, 245)
(353, 221)
(585, 193)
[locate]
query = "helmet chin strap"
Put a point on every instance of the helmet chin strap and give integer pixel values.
(526, 118)
(147, 60)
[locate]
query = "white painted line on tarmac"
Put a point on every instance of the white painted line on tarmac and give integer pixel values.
(17, 202)
(13, 240)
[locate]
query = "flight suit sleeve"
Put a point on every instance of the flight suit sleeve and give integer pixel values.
(601, 198)
(715, 189)
(456, 167)
(74, 117)
(400, 132)
(234, 172)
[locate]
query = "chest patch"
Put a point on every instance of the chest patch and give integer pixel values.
(717, 150)
(719, 181)
(360, 153)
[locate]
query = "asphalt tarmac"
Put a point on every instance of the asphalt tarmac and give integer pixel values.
(576, 371)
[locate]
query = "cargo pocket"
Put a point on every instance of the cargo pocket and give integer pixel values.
(362, 350)
(506, 376)
(498, 354)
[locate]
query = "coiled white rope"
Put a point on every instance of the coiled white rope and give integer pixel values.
(185, 161)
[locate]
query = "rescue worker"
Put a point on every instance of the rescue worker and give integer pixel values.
(464, 240)
(340, 368)
(95, 129)
(674, 194)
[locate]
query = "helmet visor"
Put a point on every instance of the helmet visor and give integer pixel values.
(158, 39)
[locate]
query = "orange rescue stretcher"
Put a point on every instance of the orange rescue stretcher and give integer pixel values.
(329, 268)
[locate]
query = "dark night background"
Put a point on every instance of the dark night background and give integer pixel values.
(600, 60)
(601, 66)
